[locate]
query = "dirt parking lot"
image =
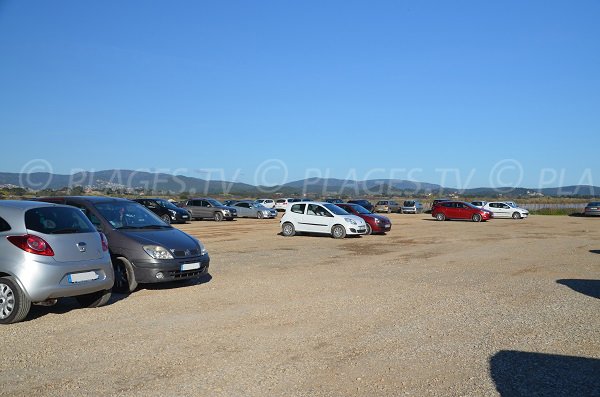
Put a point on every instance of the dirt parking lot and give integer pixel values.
(432, 308)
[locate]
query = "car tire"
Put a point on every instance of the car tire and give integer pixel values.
(218, 216)
(260, 215)
(338, 231)
(95, 299)
(14, 304)
(476, 218)
(369, 230)
(516, 215)
(124, 276)
(440, 217)
(288, 230)
(389, 210)
(166, 219)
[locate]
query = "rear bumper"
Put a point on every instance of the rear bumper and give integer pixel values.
(170, 270)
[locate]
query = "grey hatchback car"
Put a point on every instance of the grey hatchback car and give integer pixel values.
(47, 252)
(144, 249)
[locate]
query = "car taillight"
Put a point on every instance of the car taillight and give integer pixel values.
(32, 244)
(104, 242)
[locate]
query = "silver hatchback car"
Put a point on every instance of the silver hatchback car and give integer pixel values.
(50, 251)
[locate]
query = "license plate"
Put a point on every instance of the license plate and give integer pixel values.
(387, 226)
(79, 277)
(184, 216)
(190, 266)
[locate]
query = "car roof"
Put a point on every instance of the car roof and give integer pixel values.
(91, 199)
(24, 204)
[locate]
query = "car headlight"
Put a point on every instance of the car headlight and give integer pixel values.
(203, 250)
(377, 220)
(173, 213)
(351, 221)
(157, 252)
(226, 211)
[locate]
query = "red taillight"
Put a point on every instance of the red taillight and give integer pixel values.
(104, 242)
(32, 244)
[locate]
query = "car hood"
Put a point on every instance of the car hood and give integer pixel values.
(380, 217)
(168, 238)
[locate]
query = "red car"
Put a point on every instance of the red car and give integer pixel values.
(459, 210)
(375, 223)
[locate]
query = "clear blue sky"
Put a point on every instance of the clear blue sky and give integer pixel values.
(337, 88)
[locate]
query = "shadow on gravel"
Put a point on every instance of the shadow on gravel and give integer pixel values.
(595, 251)
(586, 287)
(518, 373)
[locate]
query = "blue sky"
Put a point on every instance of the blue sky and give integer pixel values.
(463, 93)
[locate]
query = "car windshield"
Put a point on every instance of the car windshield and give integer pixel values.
(57, 220)
(335, 209)
(511, 204)
(123, 215)
(360, 209)
(166, 204)
(215, 203)
(594, 204)
(409, 203)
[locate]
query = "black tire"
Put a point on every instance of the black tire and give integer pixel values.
(369, 230)
(440, 217)
(124, 277)
(476, 218)
(166, 219)
(338, 231)
(516, 215)
(14, 304)
(288, 230)
(95, 299)
(260, 215)
(218, 216)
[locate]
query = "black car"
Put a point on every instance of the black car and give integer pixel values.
(166, 210)
(143, 249)
(334, 200)
(363, 203)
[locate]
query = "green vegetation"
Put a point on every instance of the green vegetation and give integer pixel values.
(557, 211)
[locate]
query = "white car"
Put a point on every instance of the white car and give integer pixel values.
(324, 218)
(266, 202)
(282, 203)
(502, 209)
(479, 204)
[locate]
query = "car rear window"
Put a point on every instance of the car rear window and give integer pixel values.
(594, 204)
(57, 220)
(409, 203)
(4, 226)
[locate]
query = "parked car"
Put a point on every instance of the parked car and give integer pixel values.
(166, 210)
(143, 248)
(412, 207)
(207, 208)
(366, 204)
(269, 203)
(387, 206)
(323, 218)
(282, 203)
(251, 209)
(375, 223)
(505, 210)
(229, 203)
(437, 201)
(50, 251)
(459, 210)
(479, 204)
(592, 209)
(334, 200)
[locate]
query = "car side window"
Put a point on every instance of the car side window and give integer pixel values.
(298, 208)
(149, 204)
(203, 203)
(243, 205)
(93, 218)
(4, 226)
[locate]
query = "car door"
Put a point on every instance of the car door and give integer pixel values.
(192, 207)
(205, 209)
(243, 209)
(504, 210)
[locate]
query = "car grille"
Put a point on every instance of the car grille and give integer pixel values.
(185, 253)
(178, 274)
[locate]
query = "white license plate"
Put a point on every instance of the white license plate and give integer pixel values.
(387, 226)
(79, 277)
(190, 266)
(184, 216)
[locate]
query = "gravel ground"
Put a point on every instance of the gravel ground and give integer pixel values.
(432, 308)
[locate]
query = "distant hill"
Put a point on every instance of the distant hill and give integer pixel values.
(141, 180)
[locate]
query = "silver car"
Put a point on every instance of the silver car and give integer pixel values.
(592, 209)
(412, 207)
(251, 209)
(50, 251)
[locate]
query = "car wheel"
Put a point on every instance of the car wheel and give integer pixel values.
(338, 231)
(124, 276)
(288, 229)
(259, 215)
(218, 216)
(166, 219)
(389, 210)
(516, 215)
(476, 218)
(14, 304)
(369, 229)
(440, 217)
(95, 299)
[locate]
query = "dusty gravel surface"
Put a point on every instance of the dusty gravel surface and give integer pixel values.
(432, 308)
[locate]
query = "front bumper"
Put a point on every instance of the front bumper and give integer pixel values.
(381, 227)
(146, 271)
